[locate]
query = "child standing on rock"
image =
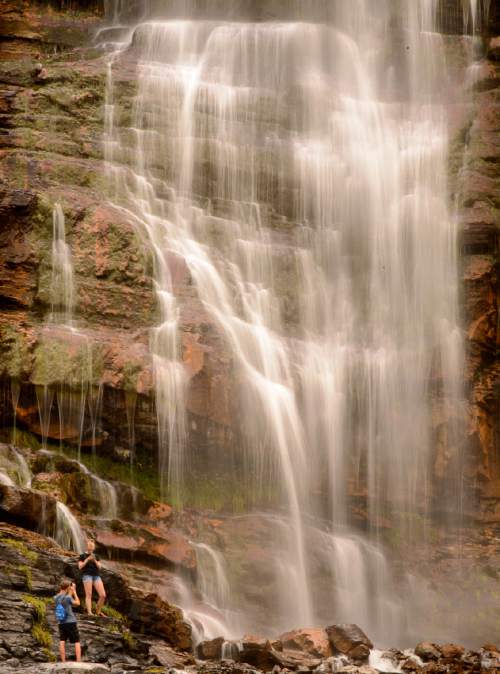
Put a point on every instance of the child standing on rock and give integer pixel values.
(68, 628)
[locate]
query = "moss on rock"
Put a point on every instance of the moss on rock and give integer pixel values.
(15, 351)
(61, 361)
(40, 628)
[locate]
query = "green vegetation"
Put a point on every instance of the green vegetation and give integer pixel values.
(28, 577)
(143, 476)
(39, 629)
(131, 373)
(49, 655)
(57, 360)
(39, 607)
(113, 613)
(129, 640)
(221, 493)
(15, 352)
(21, 547)
(23, 439)
(42, 635)
(208, 490)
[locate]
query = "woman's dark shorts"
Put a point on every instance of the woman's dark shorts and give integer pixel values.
(69, 632)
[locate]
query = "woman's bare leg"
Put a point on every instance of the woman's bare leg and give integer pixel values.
(88, 596)
(99, 586)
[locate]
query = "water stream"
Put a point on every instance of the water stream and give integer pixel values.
(103, 492)
(293, 158)
(68, 532)
(71, 405)
(62, 284)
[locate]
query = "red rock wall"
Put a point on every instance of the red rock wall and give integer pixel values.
(480, 216)
(51, 118)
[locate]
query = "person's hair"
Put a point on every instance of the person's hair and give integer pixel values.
(65, 584)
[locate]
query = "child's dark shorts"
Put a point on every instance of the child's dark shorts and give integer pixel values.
(69, 632)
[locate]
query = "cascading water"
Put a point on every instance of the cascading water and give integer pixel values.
(68, 532)
(62, 286)
(14, 469)
(213, 585)
(104, 492)
(76, 393)
(297, 167)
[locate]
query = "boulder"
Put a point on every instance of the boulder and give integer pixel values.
(150, 614)
(210, 650)
(490, 658)
(490, 648)
(427, 651)
(260, 653)
(350, 640)
(452, 651)
(28, 508)
(313, 641)
(159, 512)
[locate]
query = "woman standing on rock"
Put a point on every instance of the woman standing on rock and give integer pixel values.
(89, 565)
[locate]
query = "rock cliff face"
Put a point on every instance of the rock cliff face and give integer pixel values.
(52, 103)
(32, 567)
(52, 99)
(479, 198)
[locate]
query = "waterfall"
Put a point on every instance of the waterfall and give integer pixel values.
(104, 492)
(62, 286)
(15, 392)
(213, 615)
(68, 532)
(6, 480)
(67, 361)
(13, 467)
(212, 575)
(297, 168)
(21, 469)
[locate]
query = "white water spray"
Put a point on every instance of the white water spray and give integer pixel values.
(297, 171)
(68, 532)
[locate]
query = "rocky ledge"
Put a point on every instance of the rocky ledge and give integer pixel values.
(140, 629)
(143, 633)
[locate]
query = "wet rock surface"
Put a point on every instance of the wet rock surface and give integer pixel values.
(146, 634)
(50, 150)
(480, 231)
(51, 105)
(31, 568)
(315, 642)
(52, 88)
(349, 640)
